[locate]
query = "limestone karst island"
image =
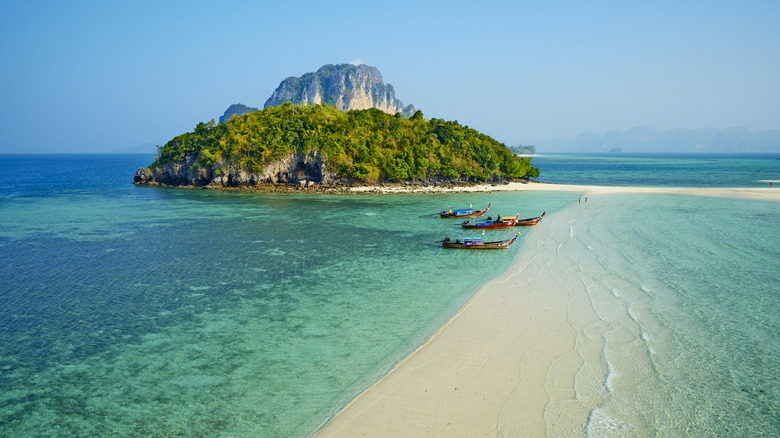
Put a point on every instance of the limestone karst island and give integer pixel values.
(340, 126)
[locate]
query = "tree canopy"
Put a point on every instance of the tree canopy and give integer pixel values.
(362, 145)
(524, 149)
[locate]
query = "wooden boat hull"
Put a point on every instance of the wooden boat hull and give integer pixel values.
(503, 222)
(527, 222)
(530, 221)
(487, 226)
(463, 213)
(479, 245)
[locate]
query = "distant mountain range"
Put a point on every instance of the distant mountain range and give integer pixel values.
(647, 140)
(345, 86)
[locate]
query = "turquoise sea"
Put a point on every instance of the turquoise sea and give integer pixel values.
(660, 170)
(139, 311)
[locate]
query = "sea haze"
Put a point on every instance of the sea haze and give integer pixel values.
(647, 140)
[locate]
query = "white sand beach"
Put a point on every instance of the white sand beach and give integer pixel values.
(767, 193)
(514, 347)
(485, 373)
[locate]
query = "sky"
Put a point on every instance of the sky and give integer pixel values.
(97, 76)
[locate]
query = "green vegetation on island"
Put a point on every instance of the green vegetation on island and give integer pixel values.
(524, 149)
(358, 145)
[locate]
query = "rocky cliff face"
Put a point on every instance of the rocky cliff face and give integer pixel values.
(302, 169)
(345, 86)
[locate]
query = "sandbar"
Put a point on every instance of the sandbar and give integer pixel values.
(496, 365)
(769, 192)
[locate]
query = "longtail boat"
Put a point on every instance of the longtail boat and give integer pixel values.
(529, 221)
(477, 243)
(464, 212)
(489, 223)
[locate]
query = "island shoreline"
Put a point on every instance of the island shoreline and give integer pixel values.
(765, 193)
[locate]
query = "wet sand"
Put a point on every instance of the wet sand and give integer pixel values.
(495, 366)
(485, 373)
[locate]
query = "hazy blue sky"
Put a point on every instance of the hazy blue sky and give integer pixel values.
(96, 76)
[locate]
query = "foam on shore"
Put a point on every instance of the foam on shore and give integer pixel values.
(517, 358)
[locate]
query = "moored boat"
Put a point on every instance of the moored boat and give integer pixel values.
(477, 243)
(463, 212)
(490, 223)
(529, 221)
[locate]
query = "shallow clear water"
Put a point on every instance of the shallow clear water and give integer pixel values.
(133, 311)
(136, 311)
(685, 289)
